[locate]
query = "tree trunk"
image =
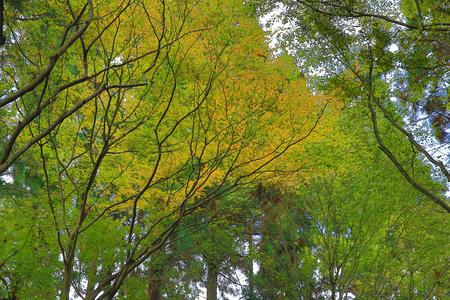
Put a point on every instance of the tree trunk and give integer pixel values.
(91, 279)
(251, 284)
(68, 265)
(211, 283)
(2, 35)
(67, 279)
(155, 283)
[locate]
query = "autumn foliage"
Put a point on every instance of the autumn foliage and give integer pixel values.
(152, 147)
(132, 116)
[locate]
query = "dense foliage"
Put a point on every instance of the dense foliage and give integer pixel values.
(160, 150)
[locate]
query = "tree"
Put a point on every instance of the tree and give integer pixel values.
(281, 234)
(348, 226)
(387, 56)
(138, 114)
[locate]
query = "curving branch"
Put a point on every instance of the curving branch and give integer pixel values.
(411, 139)
(347, 12)
(10, 157)
(53, 60)
(389, 153)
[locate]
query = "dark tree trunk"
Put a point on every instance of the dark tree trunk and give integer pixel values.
(211, 283)
(155, 283)
(2, 35)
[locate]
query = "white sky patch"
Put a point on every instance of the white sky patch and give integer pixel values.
(393, 48)
(7, 178)
(271, 24)
(117, 60)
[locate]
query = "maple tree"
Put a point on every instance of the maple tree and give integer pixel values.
(349, 226)
(122, 119)
(389, 56)
(363, 215)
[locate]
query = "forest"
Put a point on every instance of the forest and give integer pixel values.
(205, 149)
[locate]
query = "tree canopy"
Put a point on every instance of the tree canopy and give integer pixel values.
(161, 150)
(390, 56)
